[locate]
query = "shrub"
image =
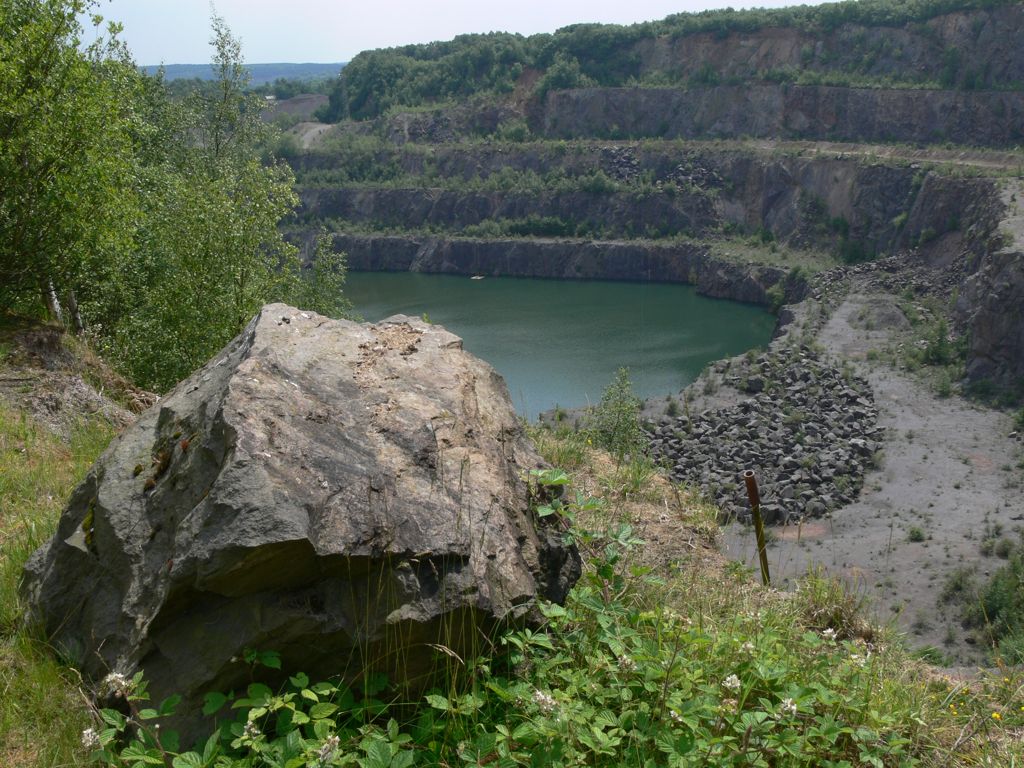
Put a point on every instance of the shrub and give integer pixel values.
(615, 422)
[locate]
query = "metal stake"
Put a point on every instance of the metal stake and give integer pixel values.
(755, 507)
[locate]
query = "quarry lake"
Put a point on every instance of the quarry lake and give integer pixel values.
(560, 342)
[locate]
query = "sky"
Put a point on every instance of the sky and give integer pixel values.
(178, 31)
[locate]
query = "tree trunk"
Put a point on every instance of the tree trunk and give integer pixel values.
(76, 316)
(52, 302)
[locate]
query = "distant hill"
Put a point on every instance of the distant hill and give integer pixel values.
(261, 73)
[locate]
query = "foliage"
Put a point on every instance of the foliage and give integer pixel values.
(633, 670)
(564, 72)
(619, 676)
(322, 280)
(1001, 606)
(64, 162)
(211, 253)
(289, 87)
(41, 711)
(607, 55)
(615, 422)
(154, 220)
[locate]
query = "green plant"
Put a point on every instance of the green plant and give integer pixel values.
(615, 422)
(915, 534)
(776, 297)
(1018, 420)
(37, 472)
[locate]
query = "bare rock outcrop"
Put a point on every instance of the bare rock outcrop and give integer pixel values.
(348, 495)
(990, 302)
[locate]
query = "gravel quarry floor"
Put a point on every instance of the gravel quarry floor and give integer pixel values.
(948, 480)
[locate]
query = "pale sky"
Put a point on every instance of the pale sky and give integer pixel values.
(178, 31)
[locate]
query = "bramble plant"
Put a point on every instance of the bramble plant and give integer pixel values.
(697, 667)
(616, 676)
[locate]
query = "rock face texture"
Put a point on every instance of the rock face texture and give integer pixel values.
(573, 260)
(823, 113)
(344, 494)
(991, 304)
(986, 42)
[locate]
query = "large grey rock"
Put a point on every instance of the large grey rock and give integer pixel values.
(345, 494)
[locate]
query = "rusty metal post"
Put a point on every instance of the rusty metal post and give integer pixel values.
(755, 507)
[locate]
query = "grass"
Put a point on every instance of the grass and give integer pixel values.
(41, 710)
(749, 250)
(664, 654)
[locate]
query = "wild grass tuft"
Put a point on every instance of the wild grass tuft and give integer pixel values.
(42, 711)
(688, 664)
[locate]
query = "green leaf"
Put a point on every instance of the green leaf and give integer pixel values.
(188, 760)
(212, 747)
(271, 659)
(136, 751)
(148, 714)
(300, 680)
(167, 705)
(470, 703)
(113, 718)
(553, 477)
(322, 710)
(309, 695)
(439, 702)
(375, 683)
(378, 755)
(259, 691)
(170, 741)
(212, 702)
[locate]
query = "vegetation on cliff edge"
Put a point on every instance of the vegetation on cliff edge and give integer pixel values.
(663, 655)
(147, 222)
(583, 55)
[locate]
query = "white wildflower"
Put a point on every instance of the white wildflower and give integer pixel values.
(747, 647)
(545, 702)
(729, 705)
(675, 716)
(252, 731)
(860, 661)
(326, 752)
(626, 664)
(829, 634)
(731, 683)
(117, 684)
(90, 739)
(788, 707)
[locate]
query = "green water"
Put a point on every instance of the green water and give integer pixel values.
(560, 342)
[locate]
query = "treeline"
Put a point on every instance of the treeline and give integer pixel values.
(580, 55)
(259, 74)
(148, 222)
(281, 88)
